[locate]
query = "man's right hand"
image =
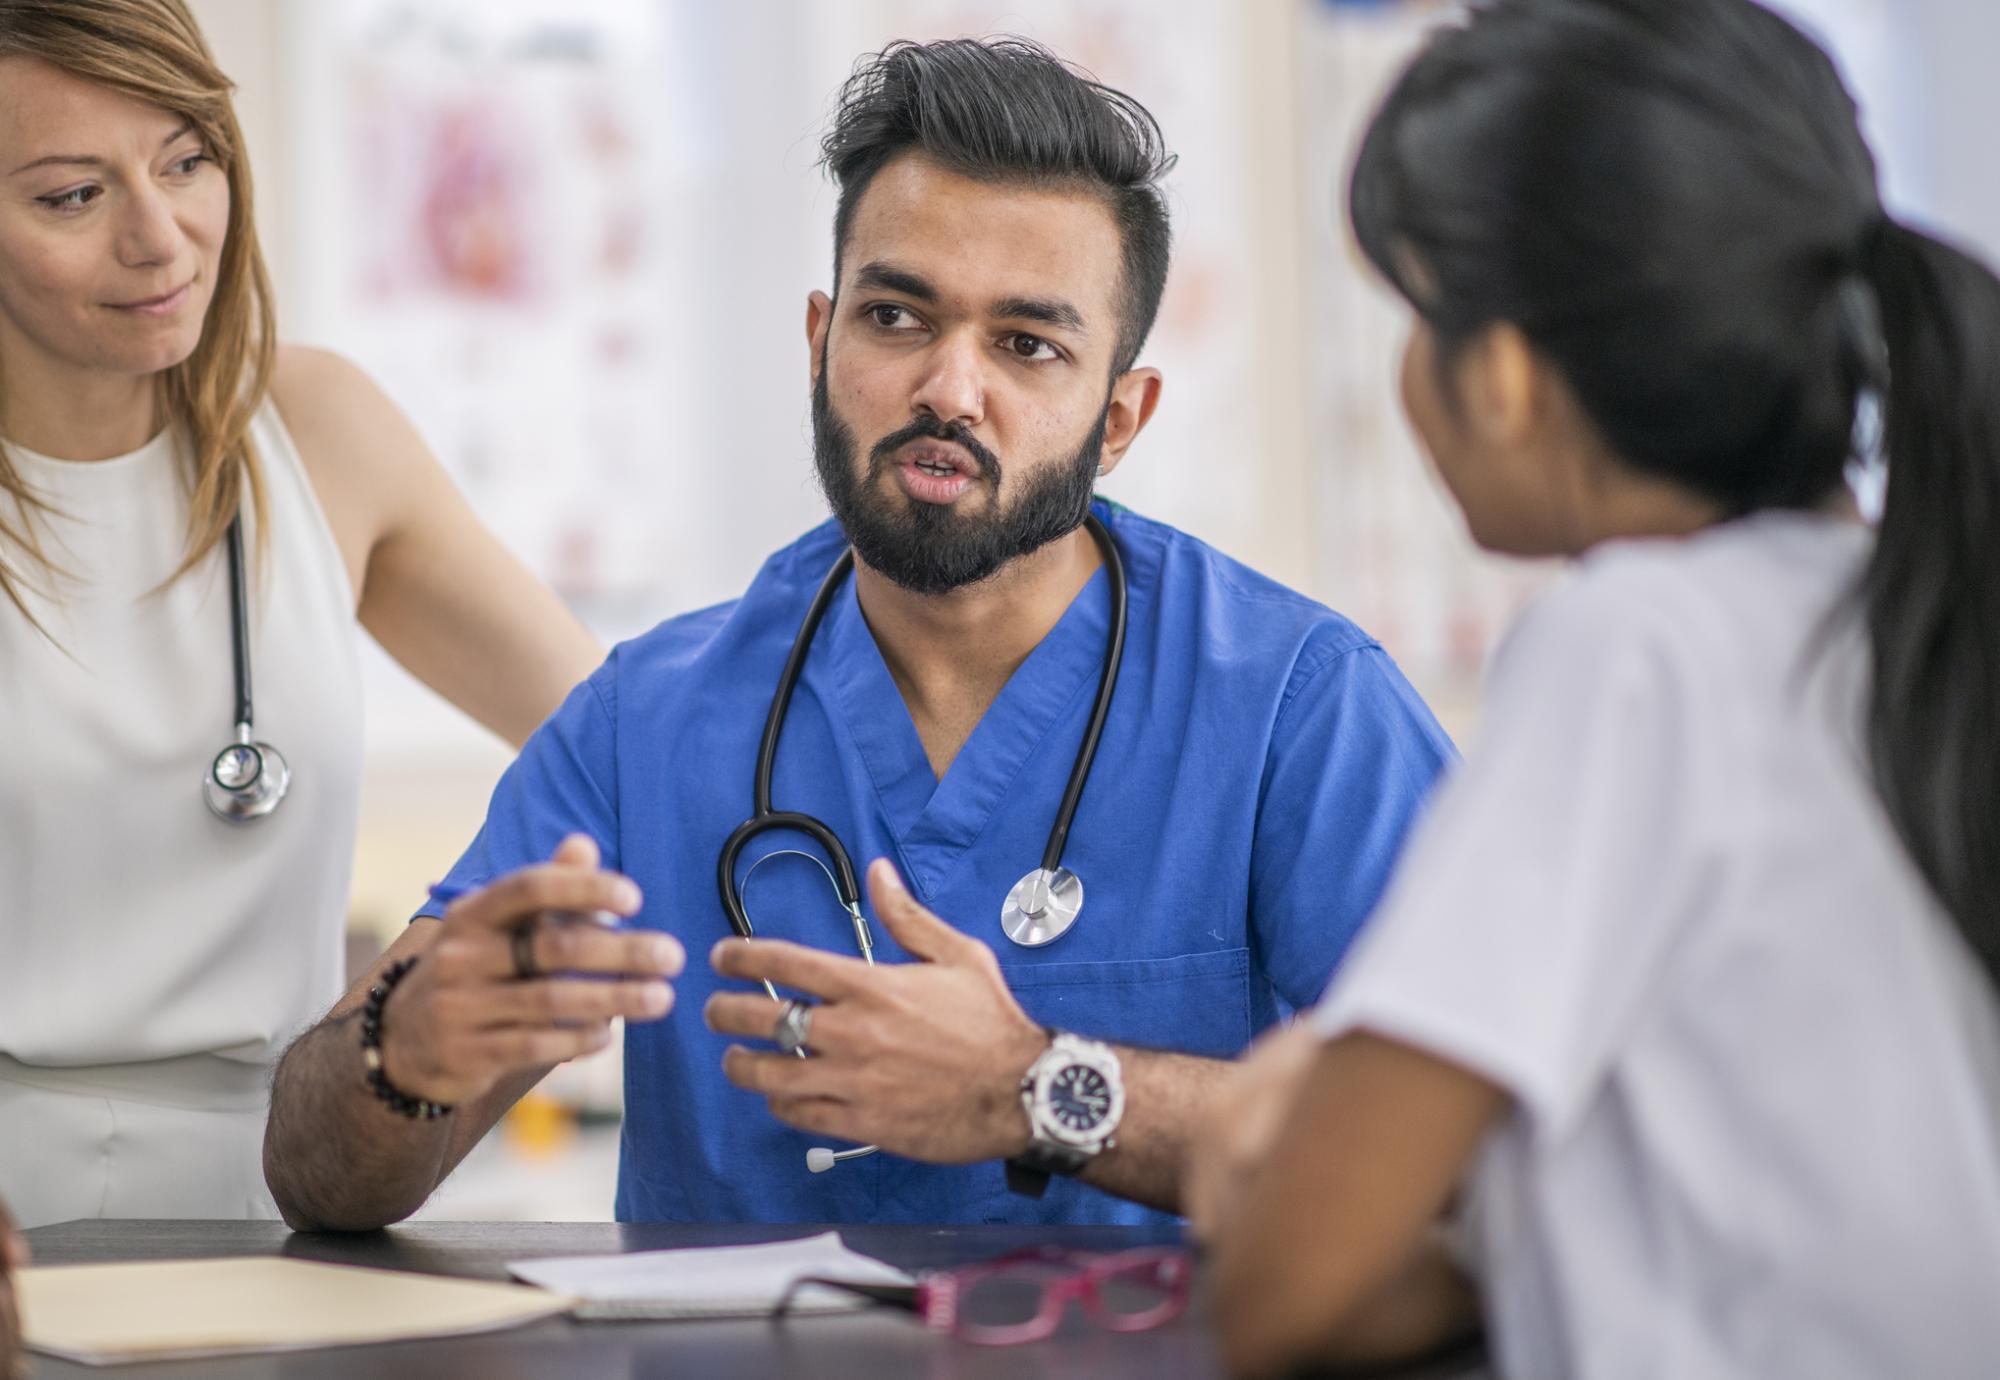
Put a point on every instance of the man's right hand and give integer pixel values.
(463, 1020)
(13, 1256)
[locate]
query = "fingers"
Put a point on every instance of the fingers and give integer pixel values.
(583, 946)
(577, 850)
(920, 933)
(551, 886)
(823, 1116)
(560, 946)
(13, 1256)
(780, 1075)
(750, 1014)
(827, 976)
(503, 1051)
(561, 1002)
(836, 1029)
(13, 1246)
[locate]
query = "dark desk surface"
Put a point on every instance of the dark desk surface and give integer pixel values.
(877, 1345)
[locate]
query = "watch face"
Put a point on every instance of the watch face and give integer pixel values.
(1079, 1097)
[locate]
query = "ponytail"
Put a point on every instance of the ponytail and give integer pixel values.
(1931, 596)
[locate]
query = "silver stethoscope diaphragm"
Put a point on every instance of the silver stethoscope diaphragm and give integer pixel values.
(1042, 906)
(247, 779)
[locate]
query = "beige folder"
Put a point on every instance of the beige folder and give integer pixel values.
(169, 1309)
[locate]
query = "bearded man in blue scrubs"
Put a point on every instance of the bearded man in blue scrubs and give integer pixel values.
(1000, 249)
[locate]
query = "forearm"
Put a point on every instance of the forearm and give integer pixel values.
(1275, 1328)
(1428, 1308)
(1166, 1098)
(1331, 1252)
(336, 1157)
(491, 999)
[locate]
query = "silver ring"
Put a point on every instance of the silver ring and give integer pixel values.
(793, 1027)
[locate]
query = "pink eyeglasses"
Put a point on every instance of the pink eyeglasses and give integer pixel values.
(1022, 1297)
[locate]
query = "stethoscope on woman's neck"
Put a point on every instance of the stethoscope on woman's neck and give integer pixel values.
(247, 779)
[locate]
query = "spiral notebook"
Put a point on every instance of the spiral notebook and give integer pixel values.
(711, 1282)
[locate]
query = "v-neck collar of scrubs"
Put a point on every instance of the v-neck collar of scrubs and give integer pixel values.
(935, 821)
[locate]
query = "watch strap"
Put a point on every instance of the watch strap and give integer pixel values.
(1028, 1172)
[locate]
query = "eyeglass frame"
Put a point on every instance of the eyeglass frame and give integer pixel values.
(936, 1296)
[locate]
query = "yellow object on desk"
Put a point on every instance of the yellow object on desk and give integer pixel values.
(172, 1309)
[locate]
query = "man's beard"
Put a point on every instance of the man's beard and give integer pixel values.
(929, 548)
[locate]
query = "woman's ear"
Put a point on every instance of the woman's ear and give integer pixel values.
(1500, 383)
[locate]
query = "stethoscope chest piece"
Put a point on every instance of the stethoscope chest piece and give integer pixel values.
(246, 781)
(1042, 906)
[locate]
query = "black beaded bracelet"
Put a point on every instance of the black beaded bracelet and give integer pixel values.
(416, 1108)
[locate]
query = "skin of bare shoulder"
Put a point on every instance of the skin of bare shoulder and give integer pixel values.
(431, 583)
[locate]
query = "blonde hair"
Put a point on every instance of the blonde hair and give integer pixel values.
(153, 51)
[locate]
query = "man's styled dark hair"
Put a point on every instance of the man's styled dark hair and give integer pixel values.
(1009, 110)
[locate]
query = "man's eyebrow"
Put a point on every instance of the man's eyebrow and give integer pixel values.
(1050, 311)
(888, 278)
(85, 160)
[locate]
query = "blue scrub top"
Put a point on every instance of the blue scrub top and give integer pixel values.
(1261, 766)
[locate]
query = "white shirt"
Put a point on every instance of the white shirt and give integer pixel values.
(1756, 1071)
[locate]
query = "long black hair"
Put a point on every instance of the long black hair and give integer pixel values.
(1673, 201)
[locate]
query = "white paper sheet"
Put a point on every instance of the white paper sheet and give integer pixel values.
(712, 1282)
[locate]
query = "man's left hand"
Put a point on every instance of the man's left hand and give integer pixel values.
(924, 1059)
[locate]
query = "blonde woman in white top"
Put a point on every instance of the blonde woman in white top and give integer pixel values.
(1685, 1003)
(154, 956)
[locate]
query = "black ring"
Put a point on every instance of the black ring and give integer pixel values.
(522, 944)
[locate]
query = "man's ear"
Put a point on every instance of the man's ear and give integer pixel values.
(1133, 398)
(819, 320)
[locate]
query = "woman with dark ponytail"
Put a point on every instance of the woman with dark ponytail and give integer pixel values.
(1682, 1022)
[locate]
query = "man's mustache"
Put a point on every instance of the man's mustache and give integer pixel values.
(925, 426)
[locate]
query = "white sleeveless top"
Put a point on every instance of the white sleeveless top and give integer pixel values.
(147, 948)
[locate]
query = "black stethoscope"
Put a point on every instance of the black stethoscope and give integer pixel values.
(1043, 905)
(247, 779)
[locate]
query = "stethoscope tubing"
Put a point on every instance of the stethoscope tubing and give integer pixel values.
(242, 796)
(847, 884)
(1114, 659)
(239, 629)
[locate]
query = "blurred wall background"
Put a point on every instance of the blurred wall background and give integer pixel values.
(573, 239)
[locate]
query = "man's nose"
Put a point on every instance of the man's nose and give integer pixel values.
(953, 385)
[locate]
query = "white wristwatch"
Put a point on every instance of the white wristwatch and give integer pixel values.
(1074, 1095)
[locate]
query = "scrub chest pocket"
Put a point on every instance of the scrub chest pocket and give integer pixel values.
(1191, 1004)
